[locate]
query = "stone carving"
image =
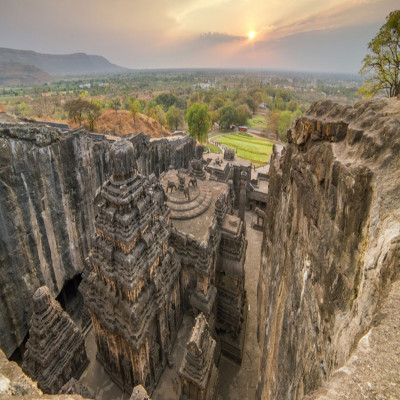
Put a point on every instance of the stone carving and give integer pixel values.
(198, 373)
(171, 185)
(55, 350)
(186, 192)
(197, 170)
(134, 290)
(218, 161)
(193, 182)
(181, 179)
(229, 154)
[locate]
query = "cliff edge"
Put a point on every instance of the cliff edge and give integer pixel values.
(330, 255)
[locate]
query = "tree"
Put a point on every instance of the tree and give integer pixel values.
(228, 116)
(199, 121)
(175, 118)
(159, 116)
(382, 64)
(134, 108)
(166, 100)
(76, 109)
(92, 113)
(243, 113)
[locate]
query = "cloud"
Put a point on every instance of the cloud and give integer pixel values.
(345, 14)
(213, 38)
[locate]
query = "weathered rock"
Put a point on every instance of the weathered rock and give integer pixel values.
(139, 393)
(45, 204)
(331, 243)
(75, 387)
(48, 179)
(15, 384)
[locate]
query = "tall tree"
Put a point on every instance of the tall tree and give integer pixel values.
(199, 121)
(76, 109)
(382, 63)
(243, 113)
(134, 108)
(175, 118)
(228, 116)
(92, 113)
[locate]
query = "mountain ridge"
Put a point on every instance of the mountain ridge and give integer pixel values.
(62, 64)
(12, 73)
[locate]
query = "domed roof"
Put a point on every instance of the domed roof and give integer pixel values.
(42, 299)
(122, 159)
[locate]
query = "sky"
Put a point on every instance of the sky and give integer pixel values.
(298, 35)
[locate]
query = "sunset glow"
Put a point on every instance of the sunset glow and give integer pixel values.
(296, 34)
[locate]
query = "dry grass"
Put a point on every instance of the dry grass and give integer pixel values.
(122, 124)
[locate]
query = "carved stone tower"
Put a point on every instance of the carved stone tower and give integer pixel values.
(134, 292)
(55, 348)
(198, 373)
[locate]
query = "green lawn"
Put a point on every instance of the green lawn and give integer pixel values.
(213, 148)
(258, 121)
(250, 148)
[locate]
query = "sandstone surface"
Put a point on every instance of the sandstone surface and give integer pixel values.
(331, 247)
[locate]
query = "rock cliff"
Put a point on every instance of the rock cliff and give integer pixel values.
(48, 179)
(331, 243)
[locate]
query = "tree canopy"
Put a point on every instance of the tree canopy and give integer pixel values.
(175, 118)
(199, 121)
(382, 63)
(228, 116)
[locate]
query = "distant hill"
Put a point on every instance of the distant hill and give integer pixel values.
(61, 65)
(15, 73)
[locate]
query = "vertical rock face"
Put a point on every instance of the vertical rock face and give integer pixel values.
(48, 179)
(56, 347)
(331, 241)
(47, 183)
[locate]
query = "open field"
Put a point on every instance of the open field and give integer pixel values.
(250, 148)
(258, 121)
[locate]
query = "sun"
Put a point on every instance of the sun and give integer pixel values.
(251, 35)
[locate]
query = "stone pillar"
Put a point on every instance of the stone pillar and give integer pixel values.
(242, 195)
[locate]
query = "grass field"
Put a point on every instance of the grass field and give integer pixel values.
(213, 148)
(250, 148)
(258, 121)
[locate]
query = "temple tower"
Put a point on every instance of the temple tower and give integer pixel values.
(198, 373)
(55, 351)
(134, 291)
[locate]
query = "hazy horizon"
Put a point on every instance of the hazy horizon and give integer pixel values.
(303, 36)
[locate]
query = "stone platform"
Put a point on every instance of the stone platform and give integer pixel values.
(183, 208)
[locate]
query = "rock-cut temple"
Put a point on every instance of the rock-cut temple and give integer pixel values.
(156, 256)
